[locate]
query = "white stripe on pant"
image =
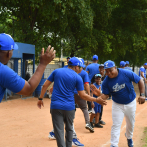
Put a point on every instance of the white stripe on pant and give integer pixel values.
(118, 113)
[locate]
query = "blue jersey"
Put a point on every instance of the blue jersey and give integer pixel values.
(121, 87)
(142, 69)
(10, 80)
(129, 68)
(65, 80)
(93, 69)
(85, 78)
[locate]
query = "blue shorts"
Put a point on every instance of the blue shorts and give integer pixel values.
(97, 108)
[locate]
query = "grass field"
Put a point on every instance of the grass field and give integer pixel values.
(144, 140)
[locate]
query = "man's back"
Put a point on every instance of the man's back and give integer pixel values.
(92, 69)
(65, 81)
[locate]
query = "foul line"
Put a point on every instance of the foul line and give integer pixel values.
(108, 142)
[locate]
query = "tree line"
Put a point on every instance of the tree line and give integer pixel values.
(112, 29)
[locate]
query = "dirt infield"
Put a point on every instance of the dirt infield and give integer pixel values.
(24, 125)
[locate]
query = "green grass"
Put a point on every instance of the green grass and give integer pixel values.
(144, 140)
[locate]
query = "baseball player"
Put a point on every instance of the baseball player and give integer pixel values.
(68, 58)
(63, 102)
(92, 69)
(127, 66)
(119, 83)
(11, 80)
(142, 74)
(122, 64)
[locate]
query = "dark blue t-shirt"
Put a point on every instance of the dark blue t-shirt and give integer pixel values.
(121, 87)
(10, 80)
(93, 69)
(85, 78)
(65, 80)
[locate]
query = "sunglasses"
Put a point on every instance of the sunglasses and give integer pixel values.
(98, 75)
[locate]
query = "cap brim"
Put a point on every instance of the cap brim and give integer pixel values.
(15, 46)
(108, 67)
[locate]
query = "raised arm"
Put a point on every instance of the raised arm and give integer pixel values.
(45, 59)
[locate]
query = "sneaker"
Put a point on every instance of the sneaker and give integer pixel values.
(51, 135)
(130, 142)
(91, 123)
(75, 142)
(89, 127)
(98, 125)
(89, 111)
(102, 122)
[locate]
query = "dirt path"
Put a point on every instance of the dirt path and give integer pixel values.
(24, 125)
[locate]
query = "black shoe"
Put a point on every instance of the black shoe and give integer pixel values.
(98, 125)
(102, 122)
(89, 127)
(91, 123)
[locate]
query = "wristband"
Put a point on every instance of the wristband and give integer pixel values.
(40, 98)
(142, 94)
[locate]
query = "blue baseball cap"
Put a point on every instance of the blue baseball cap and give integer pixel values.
(74, 61)
(95, 57)
(127, 62)
(122, 63)
(145, 63)
(82, 62)
(7, 43)
(109, 64)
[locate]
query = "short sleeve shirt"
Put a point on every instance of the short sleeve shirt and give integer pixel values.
(121, 87)
(10, 80)
(93, 69)
(65, 80)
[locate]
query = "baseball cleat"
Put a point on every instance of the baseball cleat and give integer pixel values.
(75, 142)
(51, 135)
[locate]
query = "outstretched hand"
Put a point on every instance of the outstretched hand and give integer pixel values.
(39, 103)
(95, 91)
(141, 100)
(48, 56)
(101, 101)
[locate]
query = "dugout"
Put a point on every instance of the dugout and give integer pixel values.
(18, 62)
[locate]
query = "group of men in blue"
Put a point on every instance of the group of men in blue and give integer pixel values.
(118, 83)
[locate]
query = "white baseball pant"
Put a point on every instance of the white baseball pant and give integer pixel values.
(118, 113)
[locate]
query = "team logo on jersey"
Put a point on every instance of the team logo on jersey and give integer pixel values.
(118, 87)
